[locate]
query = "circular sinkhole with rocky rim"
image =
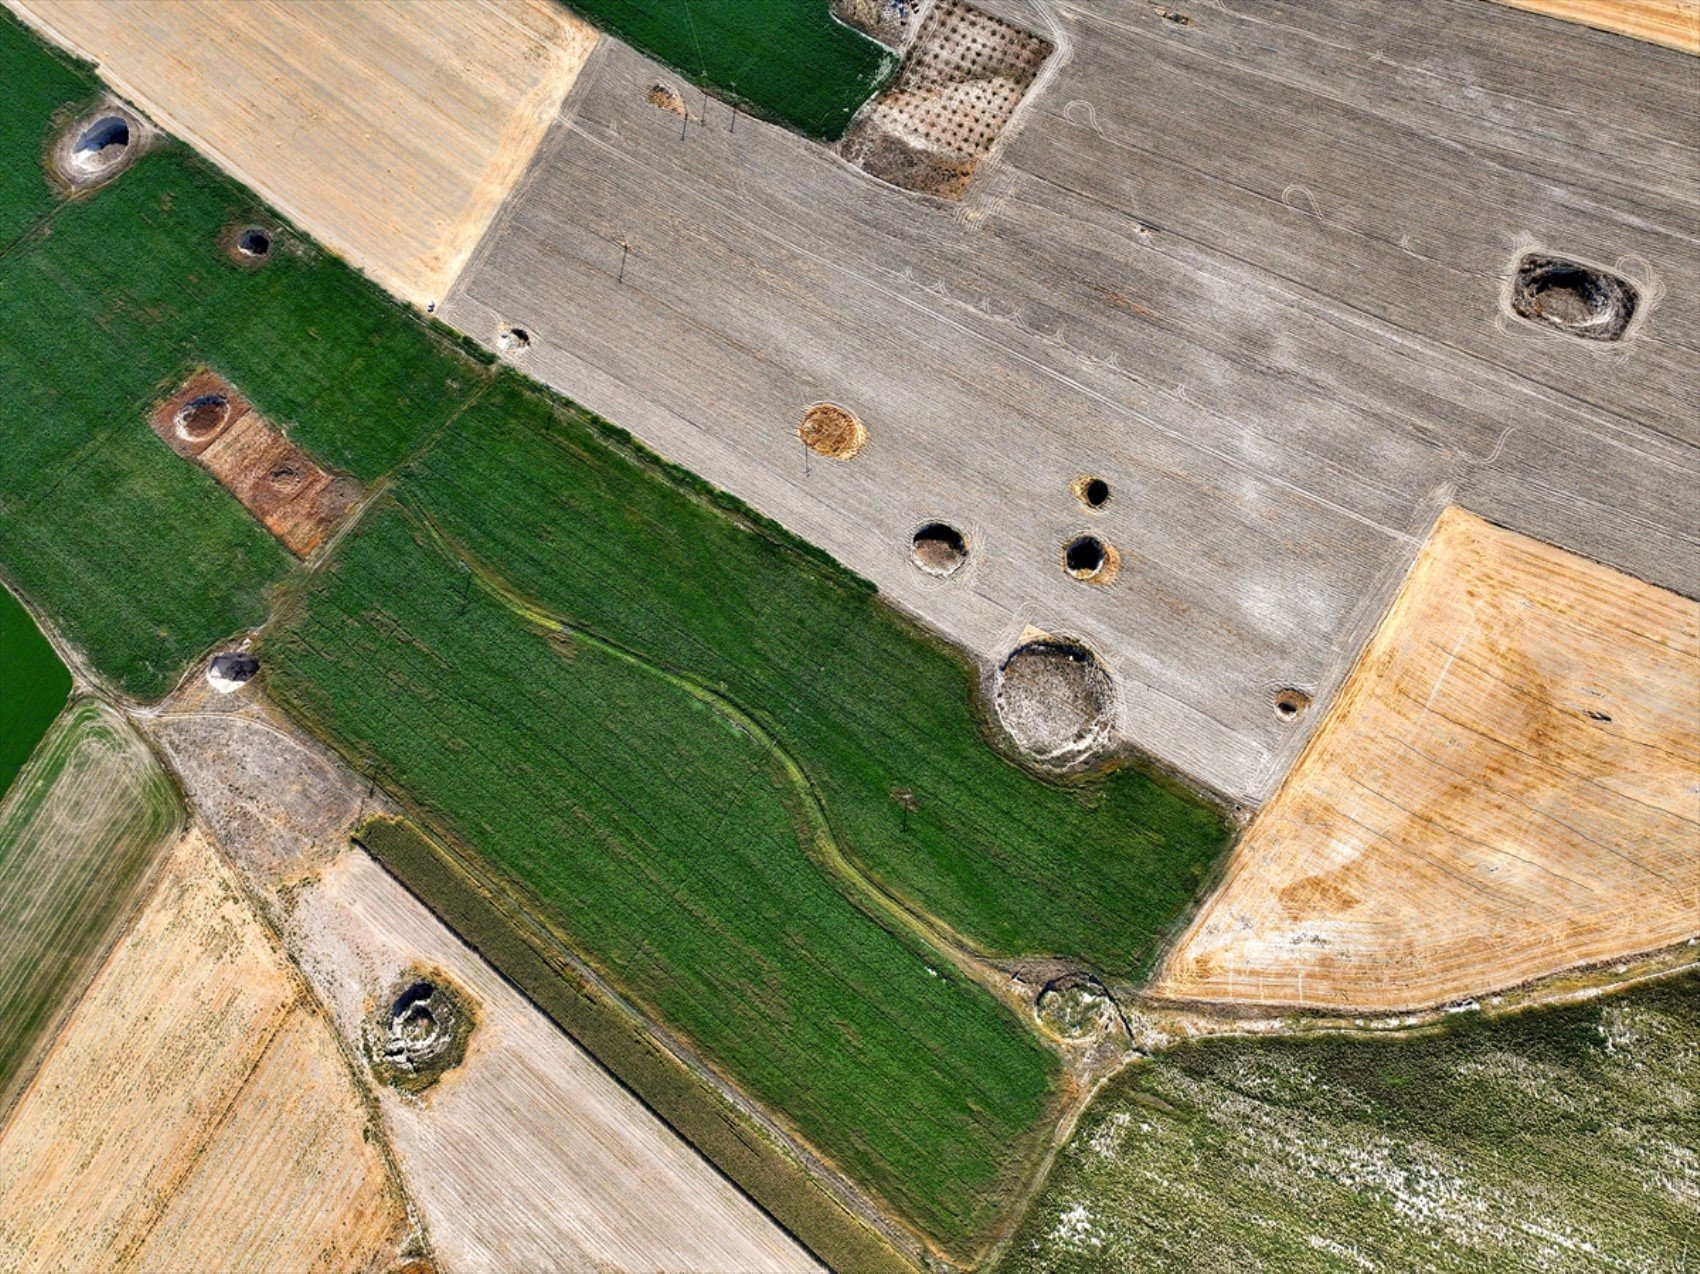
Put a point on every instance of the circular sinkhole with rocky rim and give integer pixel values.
(418, 1031)
(1055, 700)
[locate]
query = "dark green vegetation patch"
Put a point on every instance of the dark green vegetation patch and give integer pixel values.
(789, 60)
(1564, 1139)
(33, 686)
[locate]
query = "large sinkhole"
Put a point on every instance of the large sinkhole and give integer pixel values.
(1582, 300)
(1088, 558)
(1055, 699)
(103, 141)
(418, 1032)
(202, 417)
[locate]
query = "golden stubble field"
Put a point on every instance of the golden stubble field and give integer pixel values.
(195, 1112)
(1674, 23)
(1505, 789)
(391, 132)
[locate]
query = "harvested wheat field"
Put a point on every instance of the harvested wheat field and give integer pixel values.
(1506, 788)
(1673, 23)
(88, 817)
(391, 140)
(195, 1110)
(208, 421)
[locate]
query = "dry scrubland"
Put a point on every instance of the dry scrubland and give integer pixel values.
(78, 831)
(1564, 1141)
(1670, 22)
(1505, 788)
(195, 1111)
(391, 140)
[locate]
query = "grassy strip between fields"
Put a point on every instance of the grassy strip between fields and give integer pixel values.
(718, 1130)
(1564, 1139)
(78, 830)
(789, 60)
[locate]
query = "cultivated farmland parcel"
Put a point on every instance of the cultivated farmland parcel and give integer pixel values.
(668, 730)
(789, 60)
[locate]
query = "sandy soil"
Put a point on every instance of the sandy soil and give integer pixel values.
(1674, 23)
(390, 139)
(1505, 789)
(527, 1155)
(195, 1112)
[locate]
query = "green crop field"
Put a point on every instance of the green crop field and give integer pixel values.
(33, 687)
(37, 85)
(669, 846)
(714, 1126)
(77, 832)
(633, 703)
(790, 60)
(1557, 1140)
(1096, 869)
(110, 299)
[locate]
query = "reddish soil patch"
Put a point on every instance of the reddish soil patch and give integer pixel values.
(209, 421)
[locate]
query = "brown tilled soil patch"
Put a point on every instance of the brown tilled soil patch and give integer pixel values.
(1504, 790)
(209, 421)
(830, 430)
(959, 86)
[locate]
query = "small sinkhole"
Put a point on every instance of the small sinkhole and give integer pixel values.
(1084, 556)
(1291, 704)
(254, 242)
(202, 417)
(1094, 493)
(514, 340)
(939, 549)
(1583, 300)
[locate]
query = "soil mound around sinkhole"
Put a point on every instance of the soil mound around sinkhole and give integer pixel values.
(418, 1031)
(96, 146)
(832, 431)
